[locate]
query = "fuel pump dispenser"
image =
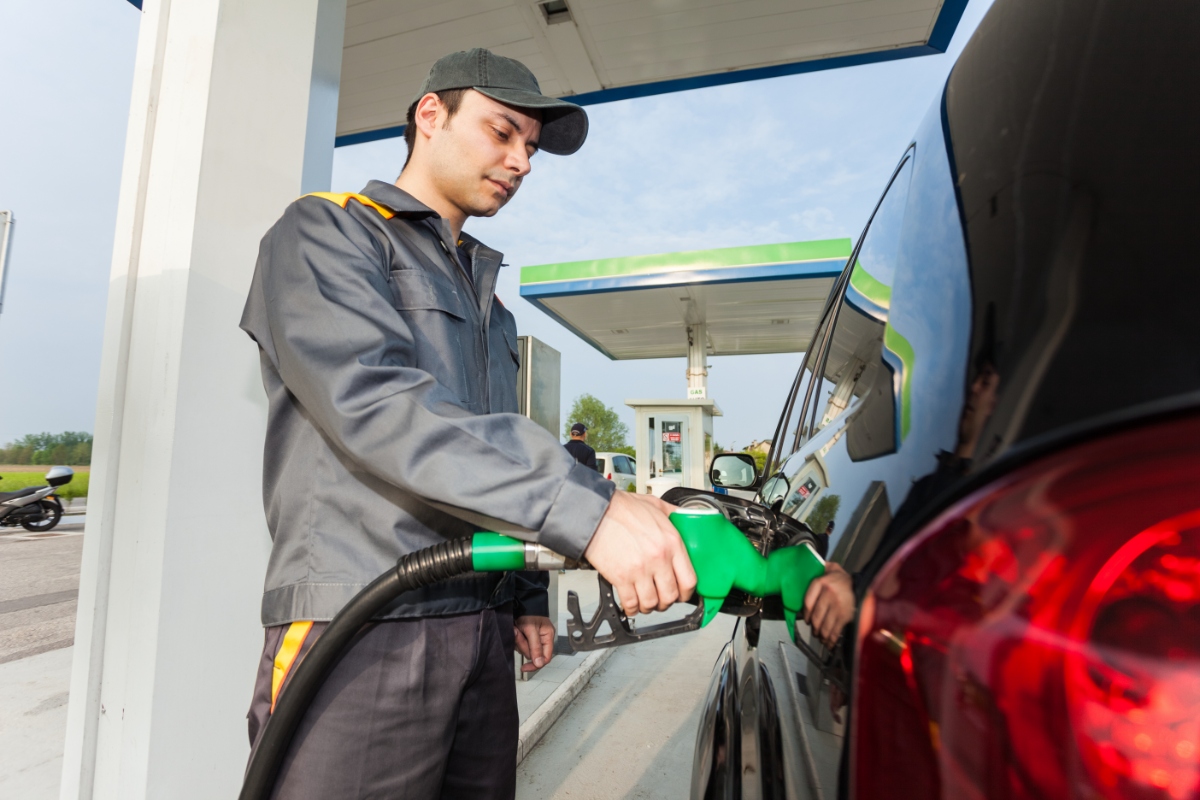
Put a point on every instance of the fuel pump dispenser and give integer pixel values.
(740, 559)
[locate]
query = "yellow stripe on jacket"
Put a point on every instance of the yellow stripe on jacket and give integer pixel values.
(344, 198)
(293, 640)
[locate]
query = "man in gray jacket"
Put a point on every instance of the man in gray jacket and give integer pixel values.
(390, 369)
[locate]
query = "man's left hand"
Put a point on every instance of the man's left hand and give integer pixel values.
(535, 641)
(829, 603)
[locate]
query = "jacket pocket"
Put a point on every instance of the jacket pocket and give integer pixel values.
(443, 339)
(416, 290)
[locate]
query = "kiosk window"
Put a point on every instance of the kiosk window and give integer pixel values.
(672, 447)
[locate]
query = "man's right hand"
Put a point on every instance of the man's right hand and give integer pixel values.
(638, 551)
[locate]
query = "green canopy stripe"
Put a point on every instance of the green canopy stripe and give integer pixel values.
(870, 287)
(757, 255)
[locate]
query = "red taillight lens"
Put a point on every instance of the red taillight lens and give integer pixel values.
(1041, 639)
(610, 476)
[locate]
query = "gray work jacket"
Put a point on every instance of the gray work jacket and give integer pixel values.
(391, 380)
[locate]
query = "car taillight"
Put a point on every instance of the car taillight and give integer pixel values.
(610, 476)
(1041, 638)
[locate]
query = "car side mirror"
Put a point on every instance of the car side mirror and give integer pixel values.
(733, 471)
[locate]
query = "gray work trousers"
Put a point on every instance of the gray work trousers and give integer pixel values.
(416, 709)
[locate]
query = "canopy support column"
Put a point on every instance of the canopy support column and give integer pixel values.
(697, 365)
(232, 117)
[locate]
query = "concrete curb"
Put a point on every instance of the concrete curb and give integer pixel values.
(548, 712)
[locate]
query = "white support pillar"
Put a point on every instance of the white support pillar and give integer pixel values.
(697, 364)
(233, 116)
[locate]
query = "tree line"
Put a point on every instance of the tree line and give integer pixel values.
(72, 448)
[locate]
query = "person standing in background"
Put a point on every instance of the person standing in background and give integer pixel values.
(579, 448)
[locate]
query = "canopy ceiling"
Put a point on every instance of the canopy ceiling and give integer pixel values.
(601, 50)
(596, 51)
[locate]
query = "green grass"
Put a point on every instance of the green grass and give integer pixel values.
(11, 481)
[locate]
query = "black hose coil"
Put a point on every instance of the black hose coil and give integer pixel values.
(413, 571)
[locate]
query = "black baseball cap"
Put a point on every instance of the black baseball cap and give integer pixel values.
(578, 428)
(508, 81)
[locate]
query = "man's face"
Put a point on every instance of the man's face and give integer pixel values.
(478, 161)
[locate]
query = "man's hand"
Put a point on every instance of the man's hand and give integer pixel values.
(535, 640)
(829, 603)
(638, 551)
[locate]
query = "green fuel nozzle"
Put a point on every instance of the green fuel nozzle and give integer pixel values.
(722, 556)
(724, 560)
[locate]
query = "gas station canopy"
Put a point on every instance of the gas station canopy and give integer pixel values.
(601, 50)
(597, 51)
(761, 299)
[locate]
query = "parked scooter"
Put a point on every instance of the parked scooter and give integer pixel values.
(35, 508)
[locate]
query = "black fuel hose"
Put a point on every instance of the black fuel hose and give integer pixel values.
(413, 571)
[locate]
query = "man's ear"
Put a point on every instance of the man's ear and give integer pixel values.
(428, 114)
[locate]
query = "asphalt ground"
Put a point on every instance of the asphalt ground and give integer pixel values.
(632, 732)
(39, 582)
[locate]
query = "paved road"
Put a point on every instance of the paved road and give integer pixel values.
(33, 723)
(39, 580)
(631, 733)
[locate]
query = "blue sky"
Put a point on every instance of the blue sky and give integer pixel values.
(787, 159)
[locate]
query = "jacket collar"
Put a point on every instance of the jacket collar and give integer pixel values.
(398, 200)
(404, 204)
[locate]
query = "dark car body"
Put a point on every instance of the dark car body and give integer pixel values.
(1000, 413)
